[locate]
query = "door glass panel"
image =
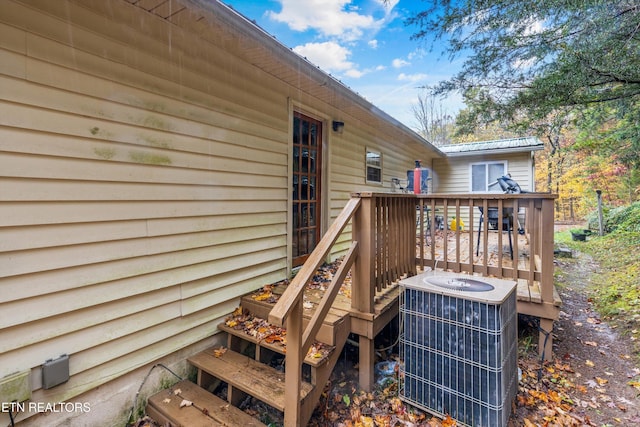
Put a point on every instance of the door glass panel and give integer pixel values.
(305, 133)
(306, 179)
(312, 161)
(311, 242)
(312, 214)
(296, 217)
(296, 131)
(314, 134)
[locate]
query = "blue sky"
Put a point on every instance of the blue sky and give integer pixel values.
(363, 43)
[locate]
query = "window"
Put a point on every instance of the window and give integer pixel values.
(484, 176)
(374, 166)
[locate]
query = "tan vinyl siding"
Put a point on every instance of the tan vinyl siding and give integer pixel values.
(453, 175)
(348, 168)
(145, 180)
(143, 188)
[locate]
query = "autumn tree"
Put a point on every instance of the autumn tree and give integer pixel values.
(435, 124)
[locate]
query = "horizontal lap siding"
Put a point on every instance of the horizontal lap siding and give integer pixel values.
(348, 168)
(143, 188)
(453, 175)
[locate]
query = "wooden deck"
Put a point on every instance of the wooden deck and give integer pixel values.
(529, 295)
(394, 236)
(527, 292)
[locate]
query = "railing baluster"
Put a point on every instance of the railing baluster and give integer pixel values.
(445, 245)
(471, 234)
(515, 256)
(457, 231)
(500, 228)
(534, 244)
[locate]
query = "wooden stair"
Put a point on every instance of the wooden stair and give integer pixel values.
(244, 365)
(206, 409)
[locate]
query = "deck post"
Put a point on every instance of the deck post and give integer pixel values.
(363, 281)
(293, 366)
(545, 340)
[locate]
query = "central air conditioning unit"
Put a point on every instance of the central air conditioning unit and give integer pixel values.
(458, 345)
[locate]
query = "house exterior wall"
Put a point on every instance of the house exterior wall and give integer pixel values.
(453, 175)
(145, 185)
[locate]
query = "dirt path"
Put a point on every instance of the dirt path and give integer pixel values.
(593, 369)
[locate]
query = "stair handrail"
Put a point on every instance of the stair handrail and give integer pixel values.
(288, 310)
(295, 289)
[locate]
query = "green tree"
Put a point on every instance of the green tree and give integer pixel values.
(540, 55)
(529, 61)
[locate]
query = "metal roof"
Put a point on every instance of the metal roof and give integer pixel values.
(514, 145)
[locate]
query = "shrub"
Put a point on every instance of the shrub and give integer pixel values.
(621, 219)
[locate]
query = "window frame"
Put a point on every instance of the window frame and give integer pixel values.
(487, 186)
(367, 165)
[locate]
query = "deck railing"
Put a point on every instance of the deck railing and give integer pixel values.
(394, 234)
(467, 248)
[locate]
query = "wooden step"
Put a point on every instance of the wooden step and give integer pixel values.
(246, 374)
(207, 410)
(315, 359)
(326, 334)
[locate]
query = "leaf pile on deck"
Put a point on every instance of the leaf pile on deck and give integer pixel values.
(319, 282)
(262, 330)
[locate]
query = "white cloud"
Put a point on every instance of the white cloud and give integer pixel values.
(331, 18)
(414, 78)
(329, 56)
(373, 44)
(354, 74)
(399, 63)
(416, 54)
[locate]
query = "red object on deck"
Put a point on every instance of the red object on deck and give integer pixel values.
(417, 178)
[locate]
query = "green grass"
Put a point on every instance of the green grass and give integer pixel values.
(615, 286)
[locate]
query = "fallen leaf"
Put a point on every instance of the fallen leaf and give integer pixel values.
(167, 400)
(186, 402)
(589, 363)
(263, 296)
(601, 381)
(625, 401)
(449, 422)
(591, 343)
(177, 391)
(346, 399)
(219, 352)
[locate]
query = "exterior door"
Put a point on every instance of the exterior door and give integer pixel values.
(307, 168)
